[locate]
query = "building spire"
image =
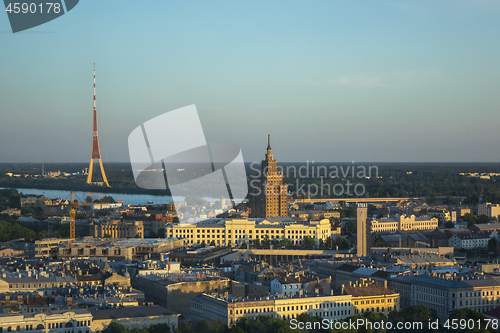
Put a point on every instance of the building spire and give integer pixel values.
(94, 86)
(269, 141)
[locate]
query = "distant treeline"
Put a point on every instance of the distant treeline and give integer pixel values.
(424, 180)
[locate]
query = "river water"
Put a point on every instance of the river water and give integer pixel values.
(134, 199)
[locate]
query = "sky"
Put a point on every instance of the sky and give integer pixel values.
(331, 81)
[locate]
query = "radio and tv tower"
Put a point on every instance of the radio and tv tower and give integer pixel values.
(96, 153)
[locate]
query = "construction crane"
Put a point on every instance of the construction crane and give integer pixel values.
(72, 215)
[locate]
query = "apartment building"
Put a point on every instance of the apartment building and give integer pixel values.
(33, 281)
(471, 240)
(58, 321)
(488, 209)
(125, 249)
(404, 223)
(296, 285)
(236, 231)
(47, 247)
(116, 229)
(370, 296)
(446, 293)
(231, 309)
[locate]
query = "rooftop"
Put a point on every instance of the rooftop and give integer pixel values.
(132, 312)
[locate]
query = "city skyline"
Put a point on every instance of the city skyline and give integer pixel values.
(331, 82)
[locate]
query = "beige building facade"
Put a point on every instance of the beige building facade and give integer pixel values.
(60, 321)
(231, 310)
(117, 229)
(237, 231)
(404, 223)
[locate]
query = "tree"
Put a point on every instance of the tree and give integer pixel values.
(212, 243)
(183, 327)
(89, 199)
(115, 328)
(264, 324)
(107, 199)
(468, 217)
(159, 328)
(256, 241)
(285, 242)
(193, 200)
(308, 242)
(14, 199)
(417, 313)
(203, 244)
(351, 227)
(236, 329)
(265, 241)
(482, 219)
(469, 314)
(448, 225)
(492, 245)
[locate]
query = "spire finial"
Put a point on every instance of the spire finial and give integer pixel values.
(94, 85)
(269, 141)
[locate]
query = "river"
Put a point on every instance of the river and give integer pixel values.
(134, 199)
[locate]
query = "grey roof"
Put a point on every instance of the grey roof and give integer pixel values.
(382, 274)
(129, 312)
(347, 268)
(475, 235)
(445, 283)
(488, 225)
(392, 238)
(483, 282)
(33, 314)
(418, 237)
(404, 278)
(312, 211)
(282, 219)
(40, 279)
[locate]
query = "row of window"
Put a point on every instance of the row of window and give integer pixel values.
(272, 231)
(372, 301)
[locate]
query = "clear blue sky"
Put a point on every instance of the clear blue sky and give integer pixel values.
(388, 81)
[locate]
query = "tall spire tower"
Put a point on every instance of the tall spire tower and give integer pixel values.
(96, 153)
(270, 195)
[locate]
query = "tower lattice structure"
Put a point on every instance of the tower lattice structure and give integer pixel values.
(96, 153)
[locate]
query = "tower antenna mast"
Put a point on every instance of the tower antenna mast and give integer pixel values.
(96, 153)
